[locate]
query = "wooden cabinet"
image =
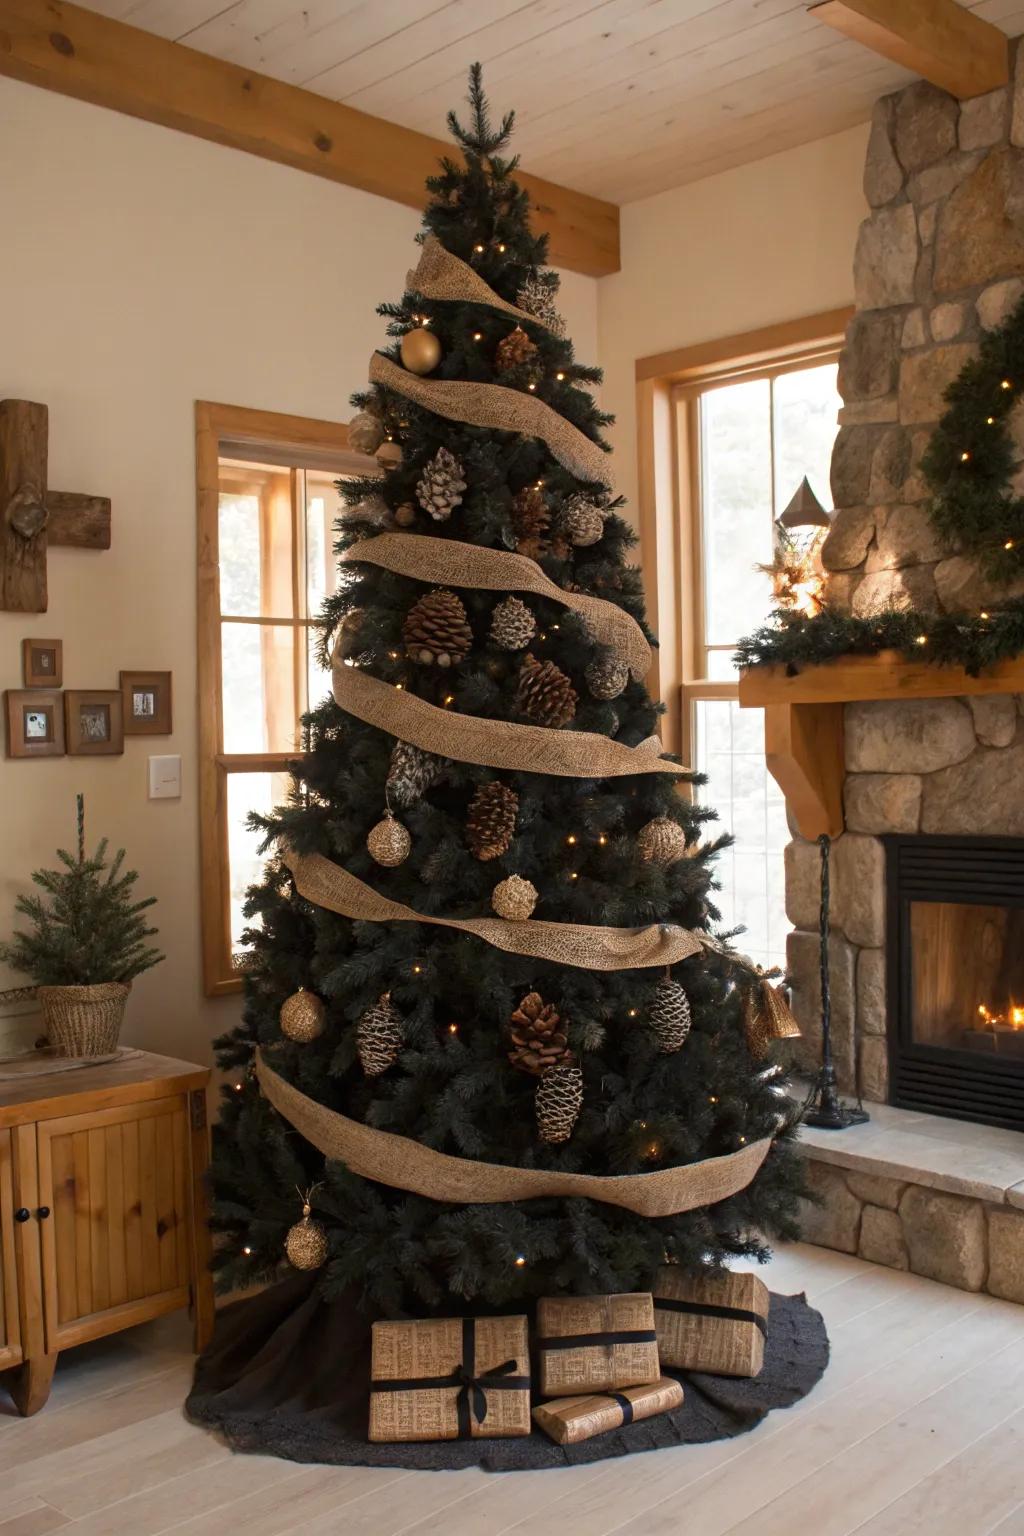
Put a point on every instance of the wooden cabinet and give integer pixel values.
(102, 1210)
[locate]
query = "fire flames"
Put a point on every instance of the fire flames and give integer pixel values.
(1013, 1018)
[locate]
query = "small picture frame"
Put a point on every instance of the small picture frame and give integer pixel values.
(146, 703)
(93, 722)
(42, 663)
(35, 722)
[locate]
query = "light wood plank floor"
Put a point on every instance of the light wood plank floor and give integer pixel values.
(917, 1426)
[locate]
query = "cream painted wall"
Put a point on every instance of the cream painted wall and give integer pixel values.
(140, 270)
(766, 242)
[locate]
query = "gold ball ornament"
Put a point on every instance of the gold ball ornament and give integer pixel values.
(388, 842)
(306, 1243)
(302, 1017)
(365, 432)
(421, 350)
(389, 454)
(662, 841)
(514, 899)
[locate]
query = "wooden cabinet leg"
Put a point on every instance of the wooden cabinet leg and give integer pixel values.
(30, 1385)
(202, 1280)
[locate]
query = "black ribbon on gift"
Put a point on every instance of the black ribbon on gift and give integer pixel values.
(626, 1406)
(710, 1309)
(471, 1402)
(588, 1340)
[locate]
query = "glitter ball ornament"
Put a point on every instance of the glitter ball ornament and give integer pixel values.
(669, 1015)
(379, 1036)
(365, 432)
(388, 842)
(582, 521)
(514, 899)
(389, 454)
(306, 1243)
(558, 1101)
(440, 487)
(606, 677)
(421, 350)
(662, 841)
(302, 1017)
(513, 626)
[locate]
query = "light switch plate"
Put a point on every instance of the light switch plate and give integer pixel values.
(165, 778)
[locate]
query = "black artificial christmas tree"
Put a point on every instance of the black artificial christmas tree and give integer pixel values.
(488, 649)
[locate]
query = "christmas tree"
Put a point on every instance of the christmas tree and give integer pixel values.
(489, 1037)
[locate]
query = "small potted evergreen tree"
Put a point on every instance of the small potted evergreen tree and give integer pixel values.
(87, 944)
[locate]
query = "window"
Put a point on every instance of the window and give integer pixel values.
(267, 504)
(749, 419)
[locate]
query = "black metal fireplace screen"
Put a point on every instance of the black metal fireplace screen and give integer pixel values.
(955, 976)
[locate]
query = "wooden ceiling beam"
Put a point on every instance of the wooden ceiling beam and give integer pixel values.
(73, 51)
(937, 39)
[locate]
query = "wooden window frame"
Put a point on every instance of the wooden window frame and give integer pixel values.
(228, 431)
(668, 386)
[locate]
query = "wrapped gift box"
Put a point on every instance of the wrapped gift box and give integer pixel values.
(568, 1419)
(451, 1378)
(717, 1323)
(596, 1343)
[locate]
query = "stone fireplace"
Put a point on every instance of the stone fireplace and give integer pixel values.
(939, 260)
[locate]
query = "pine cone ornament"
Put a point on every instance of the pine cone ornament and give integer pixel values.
(515, 350)
(538, 1037)
(514, 899)
(389, 843)
(411, 773)
(302, 1017)
(306, 1244)
(669, 1015)
(545, 694)
(537, 297)
(531, 522)
(491, 820)
(436, 631)
(379, 1036)
(606, 677)
(662, 841)
(558, 1101)
(441, 485)
(513, 626)
(582, 521)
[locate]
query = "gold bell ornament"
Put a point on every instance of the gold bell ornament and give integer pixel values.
(306, 1244)
(767, 1016)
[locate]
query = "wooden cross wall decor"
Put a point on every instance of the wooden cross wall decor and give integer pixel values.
(34, 516)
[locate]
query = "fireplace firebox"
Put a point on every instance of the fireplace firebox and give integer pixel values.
(955, 976)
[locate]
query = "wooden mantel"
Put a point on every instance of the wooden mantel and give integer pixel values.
(803, 718)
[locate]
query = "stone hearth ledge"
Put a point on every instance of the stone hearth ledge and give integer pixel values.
(941, 1198)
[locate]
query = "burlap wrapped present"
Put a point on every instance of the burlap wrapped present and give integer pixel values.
(568, 1419)
(717, 1323)
(451, 1378)
(596, 1343)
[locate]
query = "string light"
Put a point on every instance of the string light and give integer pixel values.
(501, 248)
(238, 1087)
(1008, 544)
(603, 840)
(559, 376)
(1006, 384)
(743, 1141)
(654, 1149)
(632, 1013)
(478, 249)
(392, 655)
(520, 1260)
(247, 1251)
(964, 457)
(571, 839)
(990, 421)
(453, 1029)
(712, 1099)
(983, 614)
(417, 970)
(921, 640)
(573, 875)
(399, 686)
(449, 698)
(531, 387)
(478, 335)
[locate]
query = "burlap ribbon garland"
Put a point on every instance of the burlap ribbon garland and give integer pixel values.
(401, 1163)
(440, 275)
(505, 410)
(329, 885)
(450, 563)
(490, 743)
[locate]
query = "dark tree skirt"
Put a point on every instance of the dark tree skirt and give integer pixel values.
(287, 1375)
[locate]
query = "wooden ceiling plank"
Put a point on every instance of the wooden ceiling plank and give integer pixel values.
(253, 33)
(326, 41)
(64, 48)
(937, 39)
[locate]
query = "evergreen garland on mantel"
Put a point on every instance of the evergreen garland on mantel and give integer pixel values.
(971, 641)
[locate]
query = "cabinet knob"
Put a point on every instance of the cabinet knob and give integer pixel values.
(22, 1214)
(43, 1212)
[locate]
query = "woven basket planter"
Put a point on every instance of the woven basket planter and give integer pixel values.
(84, 1021)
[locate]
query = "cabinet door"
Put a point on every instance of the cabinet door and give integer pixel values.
(116, 1247)
(10, 1333)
